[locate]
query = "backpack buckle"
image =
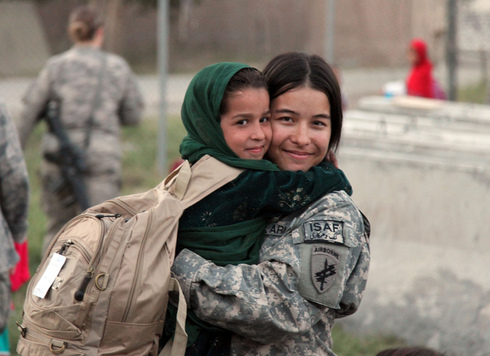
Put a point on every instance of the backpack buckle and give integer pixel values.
(105, 280)
(57, 347)
(22, 329)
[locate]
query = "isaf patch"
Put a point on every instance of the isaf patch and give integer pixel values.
(330, 231)
(324, 265)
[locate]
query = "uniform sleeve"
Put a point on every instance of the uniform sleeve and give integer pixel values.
(259, 302)
(301, 277)
(357, 275)
(14, 186)
(33, 105)
(131, 106)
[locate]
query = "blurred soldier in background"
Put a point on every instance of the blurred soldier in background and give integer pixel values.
(14, 202)
(85, 95)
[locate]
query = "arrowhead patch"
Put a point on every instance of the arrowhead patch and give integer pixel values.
(324, 265)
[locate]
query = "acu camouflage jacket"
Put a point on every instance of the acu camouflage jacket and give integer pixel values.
(14, 192)
(313, 269)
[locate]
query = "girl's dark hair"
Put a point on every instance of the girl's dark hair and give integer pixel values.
(295, 69)
(83, 23)
(243, 79)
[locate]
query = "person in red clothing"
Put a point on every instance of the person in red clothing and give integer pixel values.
(19, 275)
(419, 80)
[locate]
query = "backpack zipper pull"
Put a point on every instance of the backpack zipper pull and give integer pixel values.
(80, 294)
(66, 244)
(101, 216)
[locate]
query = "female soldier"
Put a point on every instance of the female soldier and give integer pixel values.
(226, 114)
(96, 93)
(313, 263)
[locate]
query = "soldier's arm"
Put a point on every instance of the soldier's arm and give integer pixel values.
(260, 302)
(283, 295)
(14, 185)
(131, 105)
(357, 276)
(33, 105)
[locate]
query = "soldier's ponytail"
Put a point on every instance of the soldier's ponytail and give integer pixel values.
(84, 21)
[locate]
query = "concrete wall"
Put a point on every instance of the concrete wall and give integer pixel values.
(24, 46)
(367, 33)
(429, 280)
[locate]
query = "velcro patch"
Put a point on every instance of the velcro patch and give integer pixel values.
(324, 265)
(330, 231)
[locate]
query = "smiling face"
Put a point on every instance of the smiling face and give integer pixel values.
(301, 129)
(246, 123)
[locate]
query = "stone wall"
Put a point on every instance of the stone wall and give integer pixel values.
(428, 204)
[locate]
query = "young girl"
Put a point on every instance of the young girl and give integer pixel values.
(226, 115)
(313, 263)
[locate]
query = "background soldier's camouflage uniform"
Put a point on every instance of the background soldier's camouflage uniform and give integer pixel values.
(261, 303)
(14, 201)
(72, 78)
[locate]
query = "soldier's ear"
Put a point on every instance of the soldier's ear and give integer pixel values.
(99, 36)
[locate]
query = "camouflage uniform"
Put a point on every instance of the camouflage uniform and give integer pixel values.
(14, 201)
(313, 269)
(72, 78)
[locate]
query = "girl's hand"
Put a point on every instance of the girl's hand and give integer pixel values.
(330, 157)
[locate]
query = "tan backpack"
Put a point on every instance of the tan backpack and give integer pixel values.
(102, 287)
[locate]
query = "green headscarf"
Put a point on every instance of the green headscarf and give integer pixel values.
(201, 118)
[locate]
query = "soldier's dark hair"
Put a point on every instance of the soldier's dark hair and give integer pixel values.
(243, 79)
(83, 23)
(292, 70)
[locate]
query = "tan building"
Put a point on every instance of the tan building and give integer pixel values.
(369, 33)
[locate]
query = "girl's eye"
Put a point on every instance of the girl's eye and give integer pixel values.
(242, 122)
(264, 119)
(320, 123)
(285, 119)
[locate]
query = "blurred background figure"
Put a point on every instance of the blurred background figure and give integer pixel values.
(90, 93)
(14, 202)
(420, 80)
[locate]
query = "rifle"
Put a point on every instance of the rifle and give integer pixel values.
(69, 158)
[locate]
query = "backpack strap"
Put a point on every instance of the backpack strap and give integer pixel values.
(177, 345)
(208, 175)
(182, 180)
(189, 185)
(96, 101)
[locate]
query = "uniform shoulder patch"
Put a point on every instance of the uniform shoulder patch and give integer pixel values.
(324, 265)
(330, 231)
